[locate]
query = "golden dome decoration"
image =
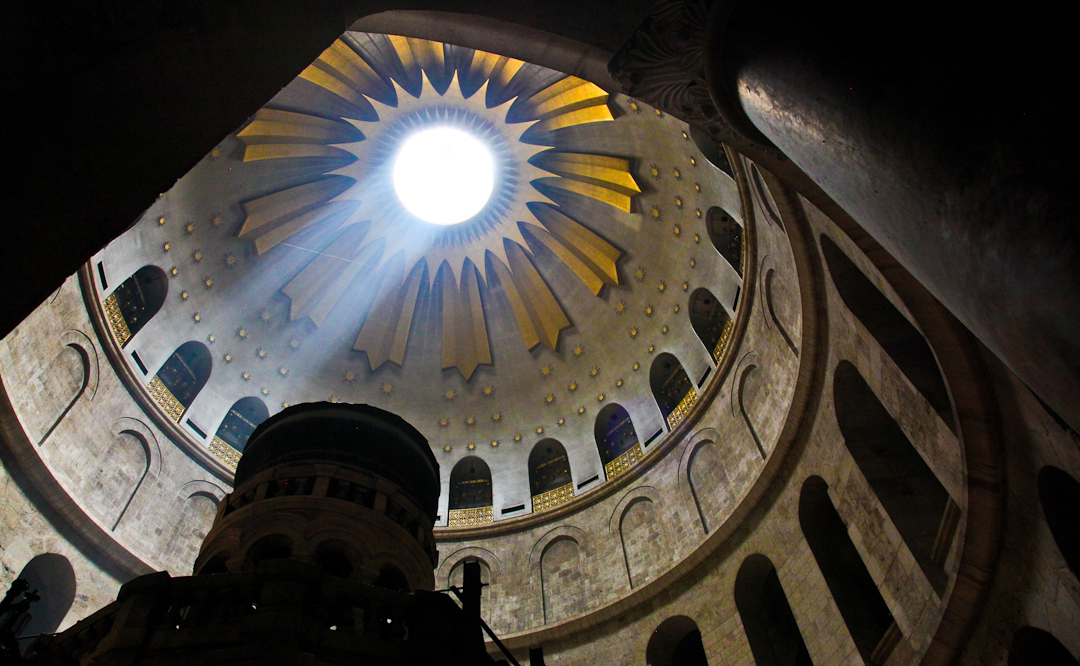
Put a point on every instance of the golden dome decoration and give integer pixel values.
(374, 230)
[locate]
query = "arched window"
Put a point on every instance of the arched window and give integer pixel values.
(549, 475)
(1035, 647)
(770, 625)
(181, 378)
(896, 335)
(712, 150)
(726, 236)
(671, 387)
(616, 440)
(470, 493)
(710, 321)
(676, 642)
(907, 488)
(1059, 495)
(245, 415)
(136, 301)
(54, 579)
(864, 611)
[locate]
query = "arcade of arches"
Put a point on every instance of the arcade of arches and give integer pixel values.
(682, 415)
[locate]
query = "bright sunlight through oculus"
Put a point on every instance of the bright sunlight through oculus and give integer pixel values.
(444, 175)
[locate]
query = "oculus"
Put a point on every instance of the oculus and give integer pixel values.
(443, 175)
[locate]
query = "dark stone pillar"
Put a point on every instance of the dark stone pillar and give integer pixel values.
(943, 129)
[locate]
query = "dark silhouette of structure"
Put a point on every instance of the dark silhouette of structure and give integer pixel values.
(323, 549)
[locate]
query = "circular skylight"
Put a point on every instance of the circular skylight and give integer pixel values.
(444, 175)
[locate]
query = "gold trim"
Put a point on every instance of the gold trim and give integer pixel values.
(553, 498)
(165, 399)
(625, 461)
(725, 336)
(224, 452)
(116, 320)
(682, 409)
(468, 517)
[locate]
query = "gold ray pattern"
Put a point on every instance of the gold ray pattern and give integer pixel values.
(351, 199)
(464, 329)
(385, 332)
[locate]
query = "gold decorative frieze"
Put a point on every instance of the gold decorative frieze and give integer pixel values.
(624, 462)
(553, 498)
(722, 343)
(165, 399)
(470, 517)
(682, 409)
(116, 320)
(224, 452)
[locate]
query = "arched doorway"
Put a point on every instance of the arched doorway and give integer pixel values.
(676, 642)
(672, 388)
(616, 440)
(865, 613)
(904, 344)
(549, 475)
(909, 491)
(770, 625)
(1035, 647)
(54, 579)
(470, 493)
(1059, 494)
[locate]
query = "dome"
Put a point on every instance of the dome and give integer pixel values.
(678, 404)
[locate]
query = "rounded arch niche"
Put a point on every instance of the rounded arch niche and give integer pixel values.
(676, 642)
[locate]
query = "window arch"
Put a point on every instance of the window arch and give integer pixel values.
(1035, 647)
(726, 236)
(549, 475)
(672, 388)
(710, 321)
(905, 485)
(136, 301)
(180, 379)
(676, 642)
(904, 344)
(244, 416)
(857, 597)
(616, 439)
(470, 492)
(54, 579)
(1059, 494)
(770, 625)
